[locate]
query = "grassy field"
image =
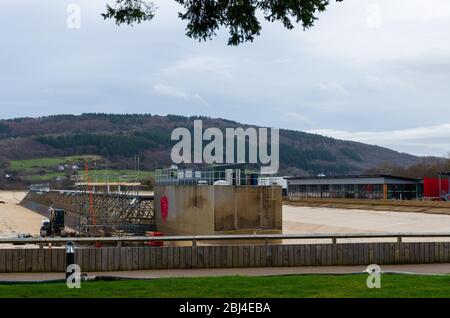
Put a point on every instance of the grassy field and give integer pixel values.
(44, 177)
(96, 175)
(115, 175)
(31, 165)
(42, 169)
(299, 286)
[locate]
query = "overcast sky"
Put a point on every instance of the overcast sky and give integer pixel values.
(376, 71)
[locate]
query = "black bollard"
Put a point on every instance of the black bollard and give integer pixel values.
(70, 257)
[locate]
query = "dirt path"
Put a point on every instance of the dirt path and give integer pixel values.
(15, 219)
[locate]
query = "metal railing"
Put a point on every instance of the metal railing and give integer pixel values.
(242, 237)
(213, 177)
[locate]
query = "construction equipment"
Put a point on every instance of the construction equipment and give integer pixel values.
(54, 226)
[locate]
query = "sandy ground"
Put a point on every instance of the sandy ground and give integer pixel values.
(14, 219)
(297, 219)
(324, 220)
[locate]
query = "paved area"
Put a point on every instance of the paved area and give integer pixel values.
(427, 269)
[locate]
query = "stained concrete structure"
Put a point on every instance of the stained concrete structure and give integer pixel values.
(218, 209)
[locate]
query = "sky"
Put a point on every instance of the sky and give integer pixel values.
(375, 71)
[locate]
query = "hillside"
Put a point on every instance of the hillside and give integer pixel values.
(118, 138)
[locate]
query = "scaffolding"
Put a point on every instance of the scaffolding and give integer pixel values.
(112, 208)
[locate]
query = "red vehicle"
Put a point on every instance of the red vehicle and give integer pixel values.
(436, 188)
(153, 243)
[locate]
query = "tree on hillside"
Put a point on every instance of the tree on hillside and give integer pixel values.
(447, 166)
(205, 17)
(430, 167)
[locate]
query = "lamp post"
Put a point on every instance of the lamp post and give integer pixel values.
(70, 257)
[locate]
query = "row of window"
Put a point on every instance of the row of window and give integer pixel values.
(356, 191)
(369, 191)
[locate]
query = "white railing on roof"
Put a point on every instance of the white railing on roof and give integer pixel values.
(213, 177)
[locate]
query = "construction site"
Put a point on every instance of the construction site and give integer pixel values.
(97, 209)
(183, 203)
(211, 219)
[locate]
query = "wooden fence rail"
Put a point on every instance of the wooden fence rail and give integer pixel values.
(146, 258)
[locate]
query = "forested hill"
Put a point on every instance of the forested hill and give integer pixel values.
(120, 137)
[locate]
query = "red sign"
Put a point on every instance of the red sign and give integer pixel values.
(164, 207)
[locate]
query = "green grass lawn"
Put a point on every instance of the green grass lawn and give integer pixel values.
(298, 286)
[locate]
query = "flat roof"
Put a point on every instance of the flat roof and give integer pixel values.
(354, 176)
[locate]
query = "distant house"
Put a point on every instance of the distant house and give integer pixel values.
(61, 168)
(8, 176)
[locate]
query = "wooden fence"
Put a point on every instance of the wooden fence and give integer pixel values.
(103, 259)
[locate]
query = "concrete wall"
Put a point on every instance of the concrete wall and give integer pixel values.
(143, 258)
(191, 210)
(245, 208)
(203, 210)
